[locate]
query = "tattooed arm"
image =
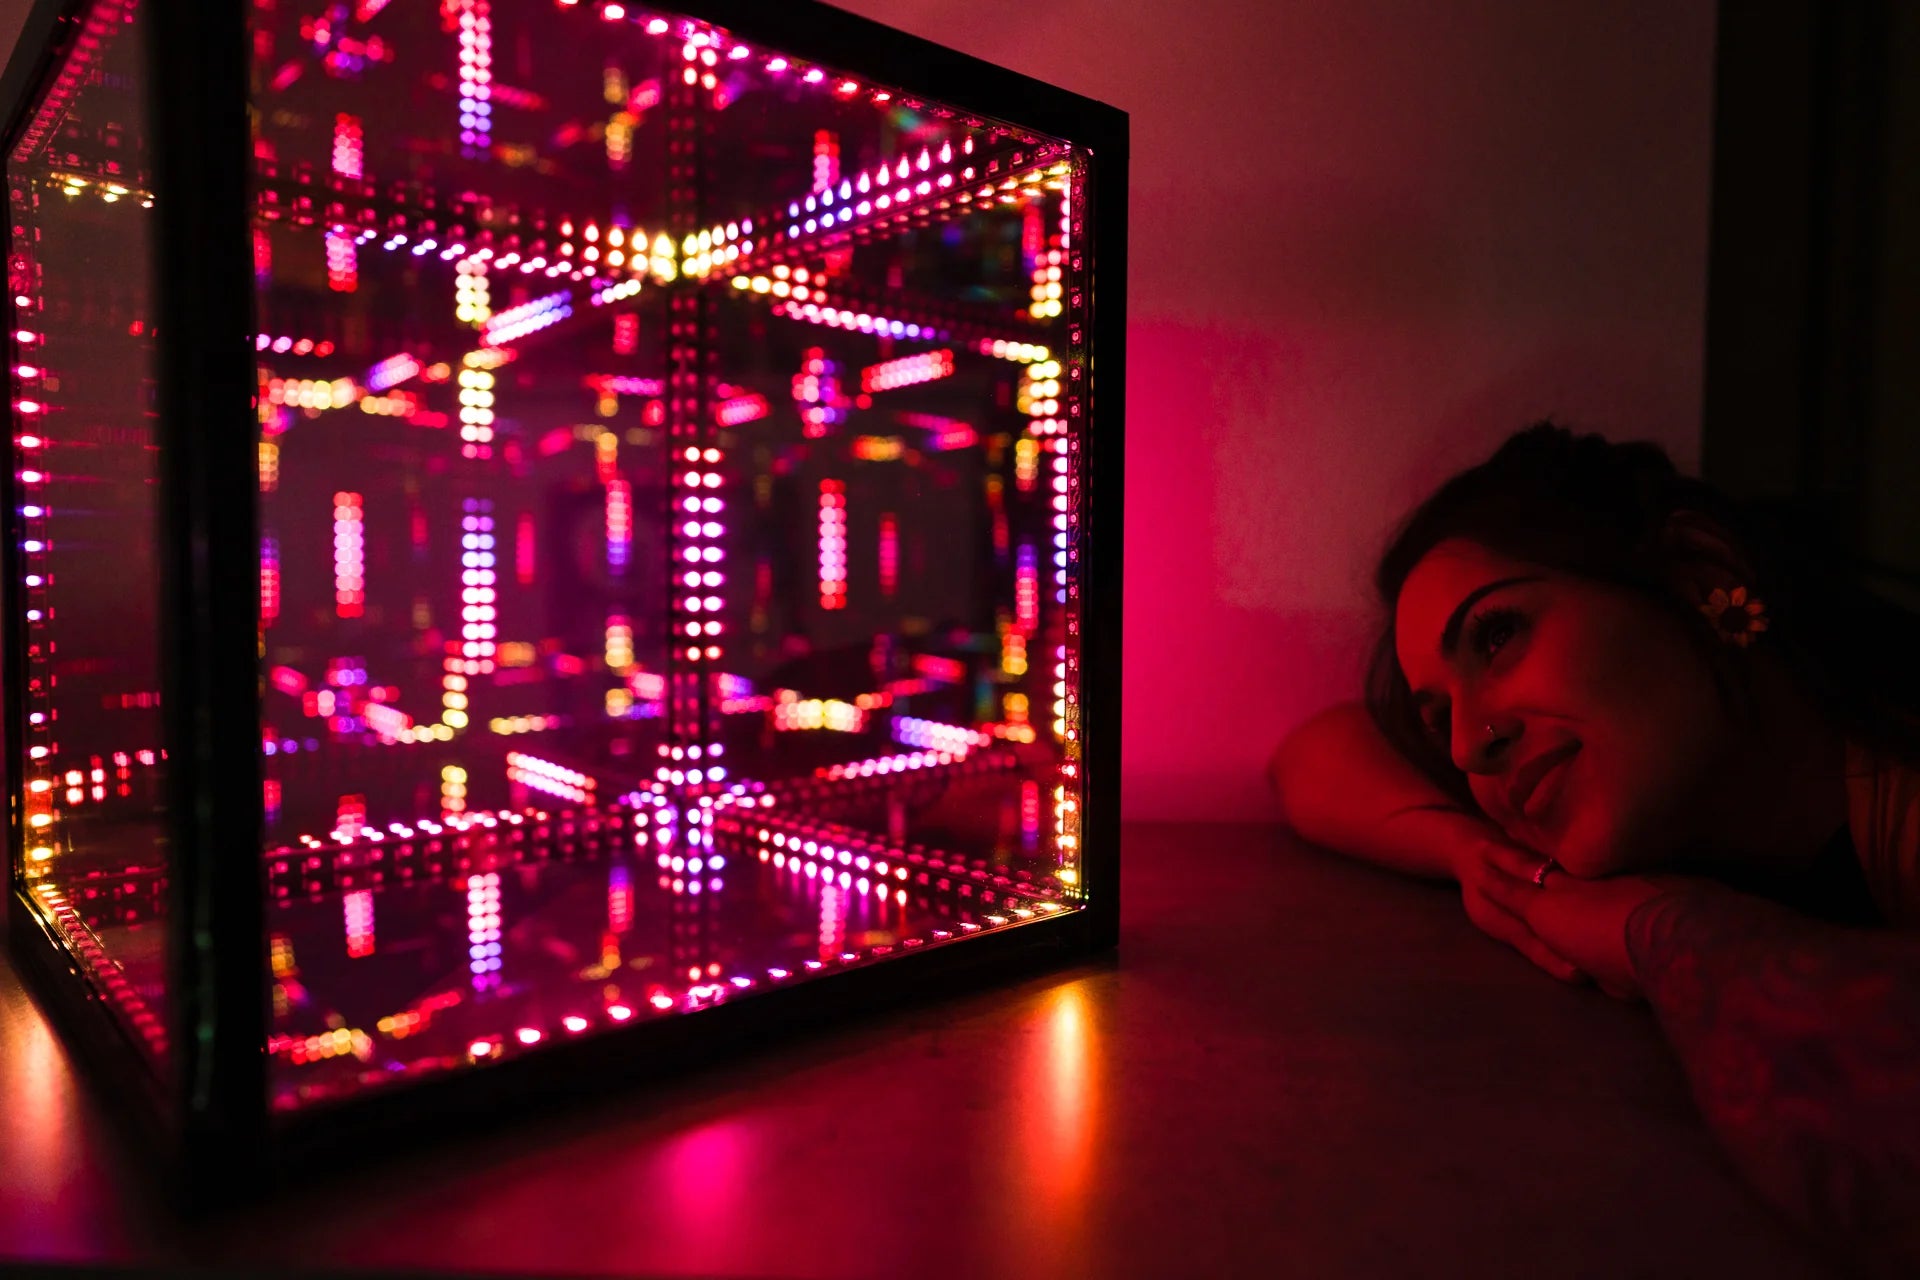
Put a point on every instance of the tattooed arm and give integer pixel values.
(1802, 1043)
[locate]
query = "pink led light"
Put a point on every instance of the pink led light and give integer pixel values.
(889, 555)
(350, 819)
(298, 346)
(826, 160)
(393, 371)
(530, 317)
(952, 739)
(343, 266)
(618, 384)
(349, 556)
(907, 371)
(626, 333)
(816, 388)
(1026, 591)
(945, 670)
(1062, 481)
(388, 723)
(619, 523)
(860, 321)
(833, 545)
(662, 1002)
(527, 1035)
(478, 577)
(619, 1012)
(476, 76)
(483, 928)
(523, 548)
(348, 150)
(358, 906)
(553, 779)
(741, 409)
(574, 1022)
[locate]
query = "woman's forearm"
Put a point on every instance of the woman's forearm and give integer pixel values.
(1341, 785)
(1802, 1043)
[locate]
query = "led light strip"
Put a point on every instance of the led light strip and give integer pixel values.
(553, 779)
(907, 371)
(483, 928)
(791, 713)
(889, 554)
(349, 556)
(833, 544)
(476, 76)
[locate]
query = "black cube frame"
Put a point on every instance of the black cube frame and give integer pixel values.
(208, 1127)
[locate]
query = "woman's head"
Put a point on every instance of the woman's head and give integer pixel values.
(1546, 605)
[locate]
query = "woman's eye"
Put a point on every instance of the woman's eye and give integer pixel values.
(1487, 634)
(1503, 623)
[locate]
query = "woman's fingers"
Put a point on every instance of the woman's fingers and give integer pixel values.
(1508, 895)
(1498, 923)
(1496, 887)
(1516, 864)
(1535, 950)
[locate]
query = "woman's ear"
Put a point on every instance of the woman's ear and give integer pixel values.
(1706, 557)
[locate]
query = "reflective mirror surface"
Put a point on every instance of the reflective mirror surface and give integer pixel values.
(668, 500)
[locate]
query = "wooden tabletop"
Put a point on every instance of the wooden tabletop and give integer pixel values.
(1295, 1065)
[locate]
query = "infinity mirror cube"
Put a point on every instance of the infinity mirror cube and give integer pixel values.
(544, 537)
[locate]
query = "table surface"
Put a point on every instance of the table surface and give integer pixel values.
(1294, 1065)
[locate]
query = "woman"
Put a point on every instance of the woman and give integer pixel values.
(1666, 742)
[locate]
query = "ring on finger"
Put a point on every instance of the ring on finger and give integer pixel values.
(1540, 874)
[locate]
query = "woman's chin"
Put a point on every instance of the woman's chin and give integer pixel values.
(1594, 859)
(1581, 855)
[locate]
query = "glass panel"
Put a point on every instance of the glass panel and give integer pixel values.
(665, 487)
(80, 196)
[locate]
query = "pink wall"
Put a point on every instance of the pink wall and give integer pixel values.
(1370, 238)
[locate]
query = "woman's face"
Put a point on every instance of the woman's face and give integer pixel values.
(1562, 664)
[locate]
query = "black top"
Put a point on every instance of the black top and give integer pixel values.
(1832, 887)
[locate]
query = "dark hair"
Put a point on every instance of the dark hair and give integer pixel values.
(1598, 510)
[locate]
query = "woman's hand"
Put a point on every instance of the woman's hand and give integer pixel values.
(1585, 921)
(1495, 878)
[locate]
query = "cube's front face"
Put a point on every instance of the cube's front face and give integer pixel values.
(668, 499)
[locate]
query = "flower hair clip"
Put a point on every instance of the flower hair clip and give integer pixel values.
(1734, 617)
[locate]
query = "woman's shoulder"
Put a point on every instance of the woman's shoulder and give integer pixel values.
(1883, 816)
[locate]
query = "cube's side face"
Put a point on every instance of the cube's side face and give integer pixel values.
(86, 746)
(668, 501)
